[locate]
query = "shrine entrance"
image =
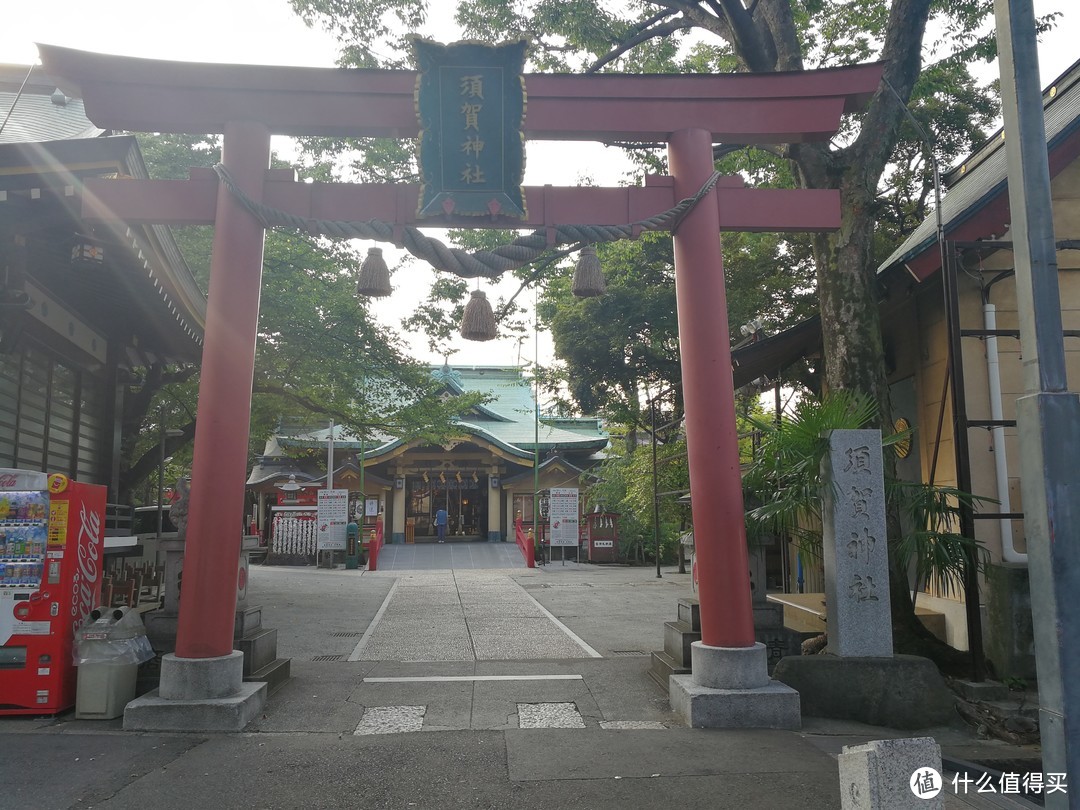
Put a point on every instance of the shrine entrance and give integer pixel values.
(465, 502)
(246, 104)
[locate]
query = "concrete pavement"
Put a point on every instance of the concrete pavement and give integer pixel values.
(470, 688)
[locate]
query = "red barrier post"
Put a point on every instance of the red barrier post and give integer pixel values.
(373, 547)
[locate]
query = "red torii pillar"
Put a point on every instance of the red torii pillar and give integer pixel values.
(247, 103)
(223, 418)
(712, 442)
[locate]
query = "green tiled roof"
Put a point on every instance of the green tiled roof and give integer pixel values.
(509, 416)
(506, 419)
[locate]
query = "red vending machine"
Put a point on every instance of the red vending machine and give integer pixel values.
(50, 580)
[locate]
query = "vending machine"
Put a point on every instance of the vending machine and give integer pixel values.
(50, 579)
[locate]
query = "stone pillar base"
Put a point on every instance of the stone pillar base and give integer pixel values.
(198, 694)
(904, 691)
(729, 687)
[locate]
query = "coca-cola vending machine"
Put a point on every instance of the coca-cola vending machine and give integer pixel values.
(50, 580)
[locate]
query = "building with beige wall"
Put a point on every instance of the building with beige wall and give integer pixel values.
(975, 215)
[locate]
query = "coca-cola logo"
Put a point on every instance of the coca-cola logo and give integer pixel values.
(8, 480)
(84, 583)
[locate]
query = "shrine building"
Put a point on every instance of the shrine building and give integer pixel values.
(483, 476)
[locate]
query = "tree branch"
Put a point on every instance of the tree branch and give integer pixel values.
(669, 27)
(747, 38)
(779, 21)
(714, 23)
(304, 402)
(148, 462)
(902, 56)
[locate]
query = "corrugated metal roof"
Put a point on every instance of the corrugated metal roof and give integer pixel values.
(983, 175)
(42, 112)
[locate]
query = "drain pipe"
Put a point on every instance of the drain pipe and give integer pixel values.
(1001, 468)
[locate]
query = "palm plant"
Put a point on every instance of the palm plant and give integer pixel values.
(784, 482)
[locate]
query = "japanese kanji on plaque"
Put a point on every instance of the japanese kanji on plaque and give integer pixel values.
(470, 99)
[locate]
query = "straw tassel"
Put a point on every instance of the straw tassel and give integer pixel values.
(374, 278)
(478, 322)
(588, 275)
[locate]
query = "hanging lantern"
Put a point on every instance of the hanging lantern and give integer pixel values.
(588, 275)
(374, 281)
(478, 322)
(87, 252)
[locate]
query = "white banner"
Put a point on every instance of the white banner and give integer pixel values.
(332, 517)
(563, 514)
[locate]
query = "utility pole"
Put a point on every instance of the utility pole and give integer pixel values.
(1048, 416)
(536, 429)
(655, 488)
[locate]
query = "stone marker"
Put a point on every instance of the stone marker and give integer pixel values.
(892, 775)
(855, 547)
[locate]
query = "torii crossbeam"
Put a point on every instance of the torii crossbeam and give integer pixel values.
(249, 103)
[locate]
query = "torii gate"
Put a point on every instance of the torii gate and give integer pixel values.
(246, 104)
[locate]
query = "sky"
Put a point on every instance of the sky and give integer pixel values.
(267, 32)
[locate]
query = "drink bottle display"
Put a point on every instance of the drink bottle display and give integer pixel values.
(50, 579)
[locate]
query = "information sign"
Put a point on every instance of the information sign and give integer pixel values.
(471, 106)
(331, 518)
(564, 515)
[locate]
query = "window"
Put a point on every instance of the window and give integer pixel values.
(51, 415)
(523, 505)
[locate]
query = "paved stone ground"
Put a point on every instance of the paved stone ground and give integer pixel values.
(452, 555)
(481, 615)
(447, 721)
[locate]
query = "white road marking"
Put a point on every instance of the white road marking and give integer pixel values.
(355, 656)
(452, 678)
(589, 651)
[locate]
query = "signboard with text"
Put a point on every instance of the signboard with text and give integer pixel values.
(331, 518)
(563, 513)
(470, 99)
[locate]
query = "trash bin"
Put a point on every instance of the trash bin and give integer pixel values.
(108, 649)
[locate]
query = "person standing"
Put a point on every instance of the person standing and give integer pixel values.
(440, 524)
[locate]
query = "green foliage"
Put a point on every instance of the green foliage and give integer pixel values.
(1015, 684)
(372, 32)
(699, 36)
(939, 552)
(626, 487)
(784, 481)
(614, 346)
(626, 483)
(784, 487)
(947, 102)
(319, 354)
